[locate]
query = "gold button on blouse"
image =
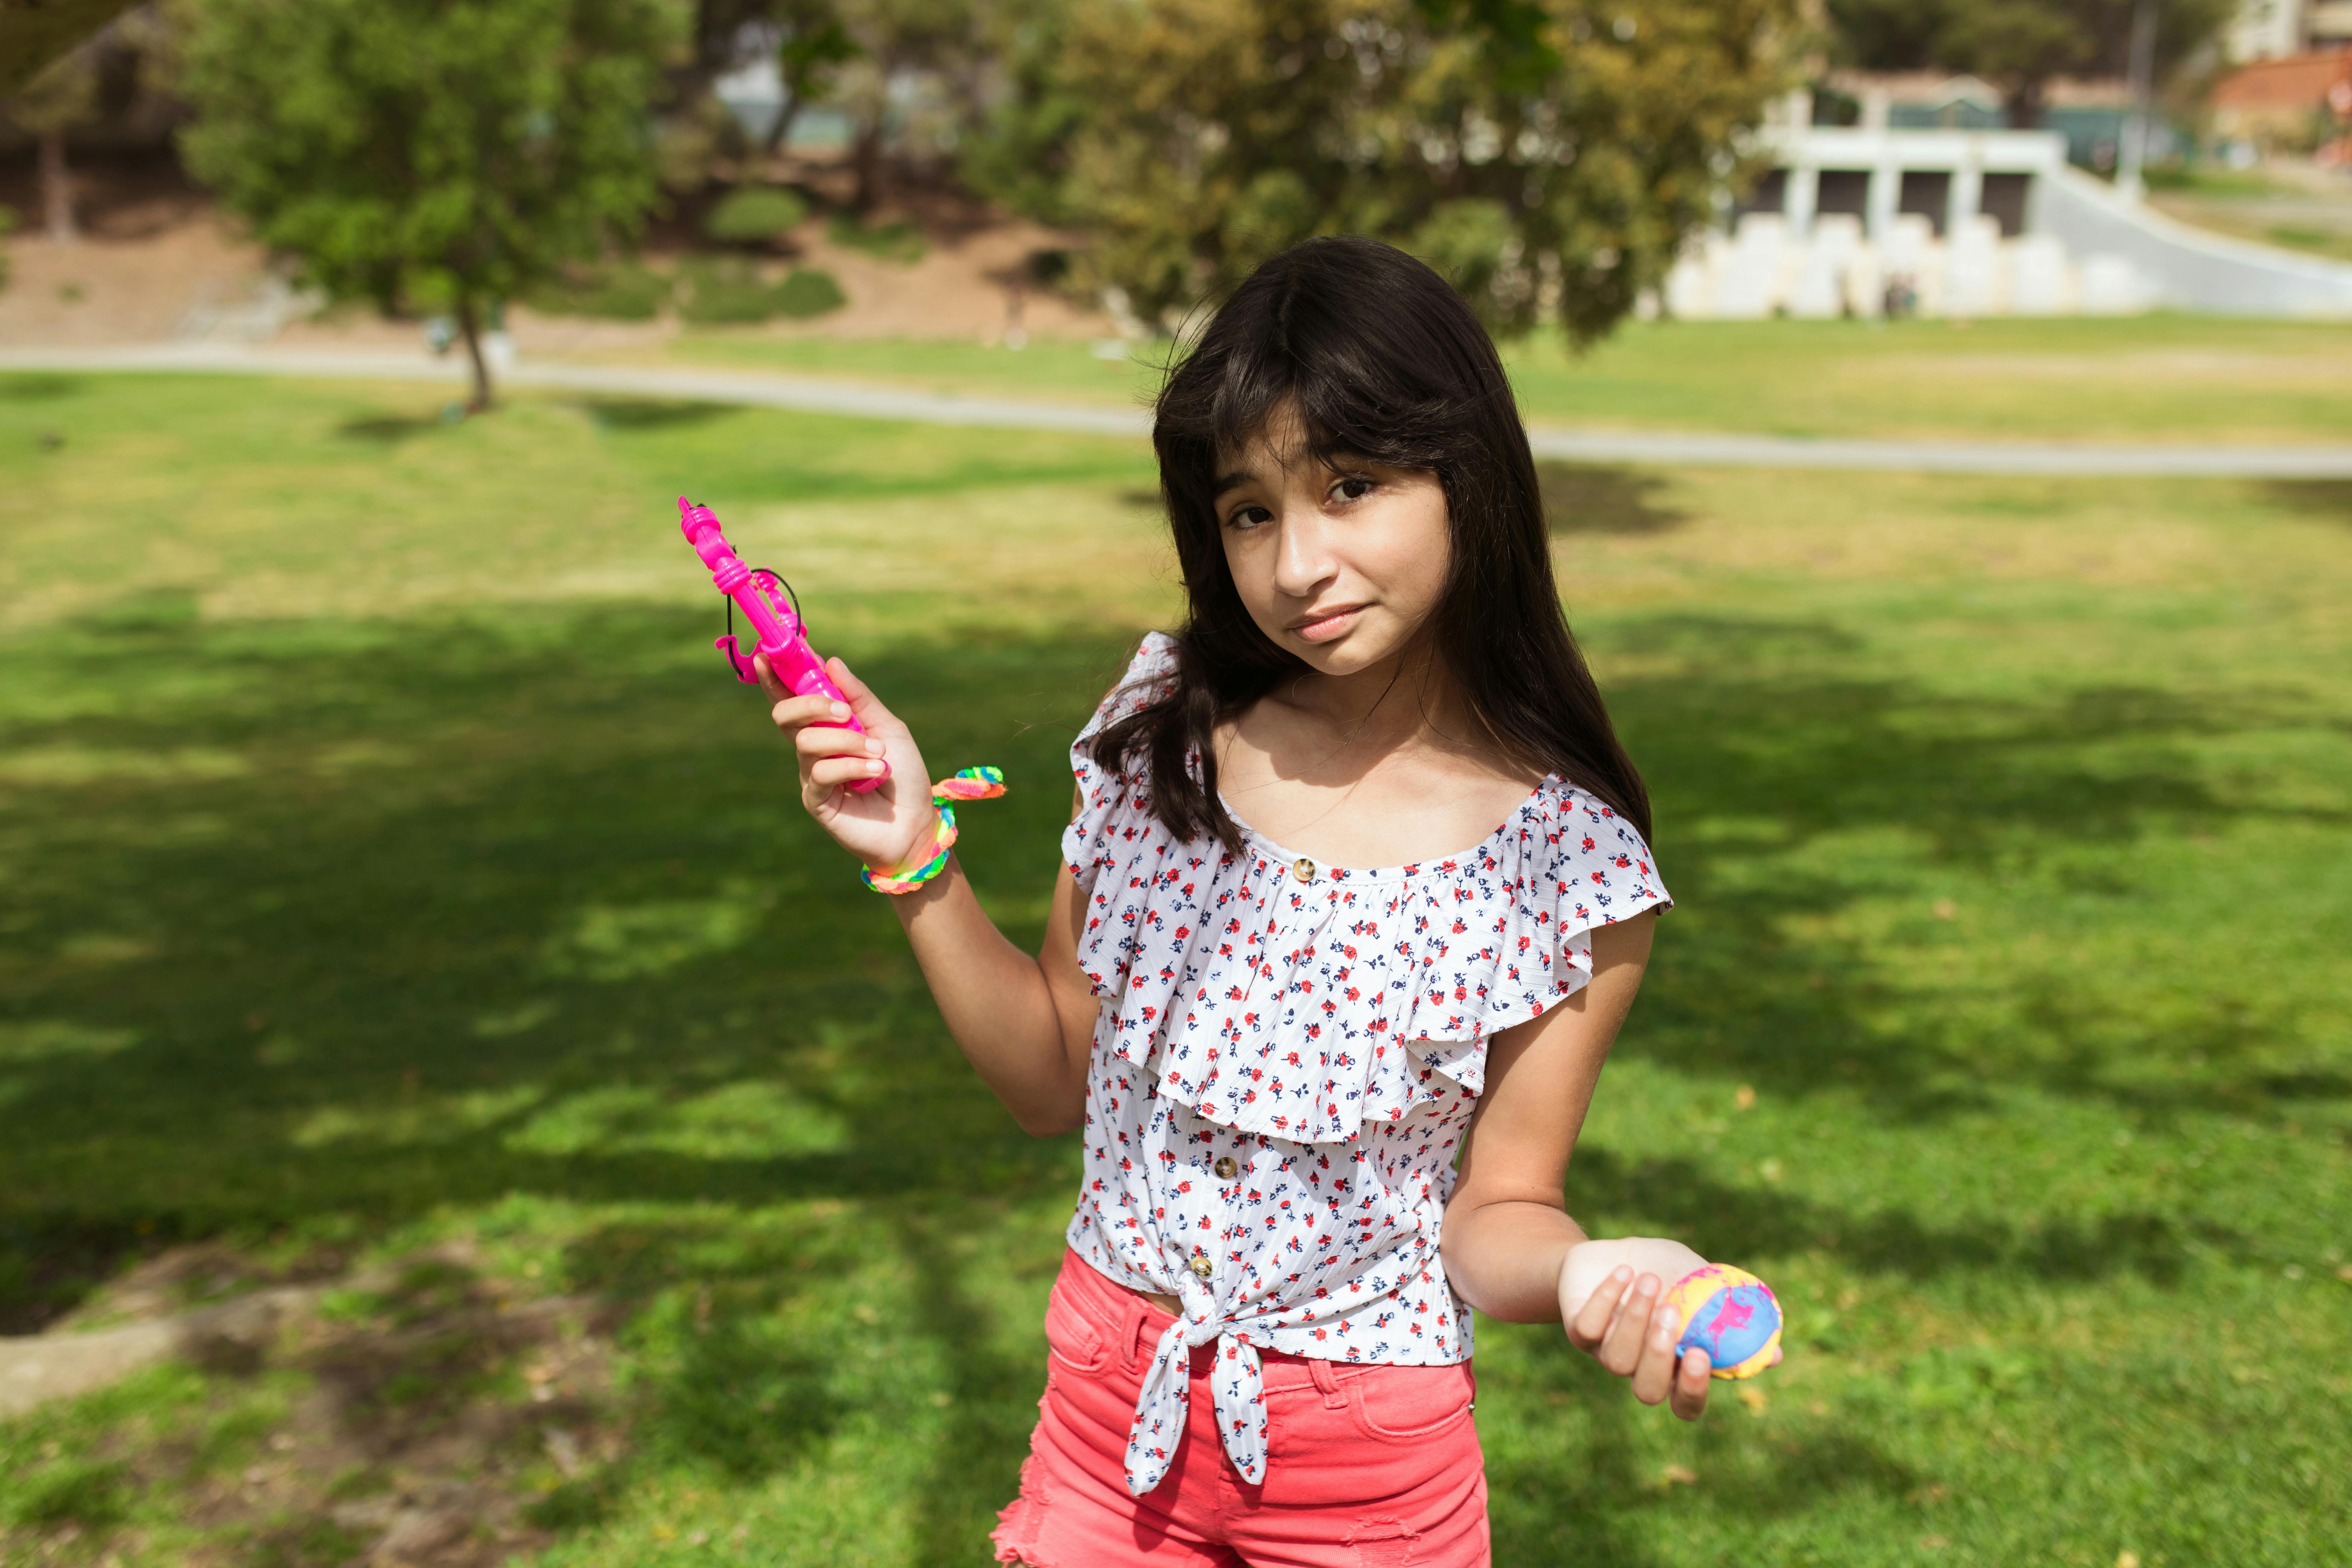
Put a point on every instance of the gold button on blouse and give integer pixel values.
(1227, 1169)
(1303, 868)
(1201, 1266)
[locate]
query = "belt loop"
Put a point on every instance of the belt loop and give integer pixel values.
(1327, 1382)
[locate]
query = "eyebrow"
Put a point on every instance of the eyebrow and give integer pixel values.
(1232, 481)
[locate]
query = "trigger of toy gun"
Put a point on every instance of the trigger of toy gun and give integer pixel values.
(736, 660)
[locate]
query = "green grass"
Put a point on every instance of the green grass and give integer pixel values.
(898, 241)
(2155, 378)
(2224, 184)
(2336, 243)
(391, 878)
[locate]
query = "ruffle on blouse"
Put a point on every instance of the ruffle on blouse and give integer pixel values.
(1298, 1010)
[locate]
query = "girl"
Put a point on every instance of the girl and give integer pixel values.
(1328, 1031)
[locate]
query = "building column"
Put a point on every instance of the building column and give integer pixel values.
(1801, 198)
(1965, 197)
(1885, 198)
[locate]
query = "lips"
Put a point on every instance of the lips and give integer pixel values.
(1322, 625)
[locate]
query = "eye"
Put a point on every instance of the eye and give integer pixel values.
(1248, 517)
(1355, 487)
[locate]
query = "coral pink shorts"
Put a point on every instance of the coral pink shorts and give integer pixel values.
(1367, 1467)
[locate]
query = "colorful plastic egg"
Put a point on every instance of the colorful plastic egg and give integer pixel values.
(1731, 1315)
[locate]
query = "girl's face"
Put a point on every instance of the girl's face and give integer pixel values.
(1339, 563)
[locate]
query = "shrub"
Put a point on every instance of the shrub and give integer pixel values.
(620, 291)
(723, 291)
(758, 215)
(809, 292)
(726, 290)
(900, 242)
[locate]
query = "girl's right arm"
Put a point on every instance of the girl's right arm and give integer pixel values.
(1026, 1025)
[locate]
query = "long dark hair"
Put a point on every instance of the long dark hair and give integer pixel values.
(1382, 360)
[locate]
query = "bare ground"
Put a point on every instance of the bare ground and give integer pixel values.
(440, 1406)
(156, 257)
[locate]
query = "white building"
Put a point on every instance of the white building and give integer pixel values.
(2274, 29)
(1856, 220)
(2263, 30)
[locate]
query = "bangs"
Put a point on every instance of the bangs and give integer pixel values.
(1302, 353)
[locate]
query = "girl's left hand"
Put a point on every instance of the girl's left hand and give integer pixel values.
(1620, 1320)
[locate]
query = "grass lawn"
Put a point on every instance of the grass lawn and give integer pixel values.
(2252, 205)
(399, 901)
(2152, 378)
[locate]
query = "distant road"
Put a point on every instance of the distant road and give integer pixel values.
(1695, 448)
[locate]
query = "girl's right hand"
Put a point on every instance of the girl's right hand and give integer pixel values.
(890, 828)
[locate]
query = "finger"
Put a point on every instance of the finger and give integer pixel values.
(794, 712)
(861, 700)
(834, 770)
(1621, 1352)
(769, 681)
(832, 741)
(1591, 1321)
(1693, 1378)
(1653, 1375)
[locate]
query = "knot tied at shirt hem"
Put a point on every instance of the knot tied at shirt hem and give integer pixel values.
(1162, 1409)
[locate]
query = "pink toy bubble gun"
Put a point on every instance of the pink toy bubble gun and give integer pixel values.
(783, 641)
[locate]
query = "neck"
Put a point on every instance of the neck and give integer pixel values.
(1409, 695)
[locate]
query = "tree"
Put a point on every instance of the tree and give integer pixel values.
(47, 107)
(1022, 110)
(2021, 46)
(895, 44)
(1549, 155)
(34, 34)
(810, 43)
(446, 153)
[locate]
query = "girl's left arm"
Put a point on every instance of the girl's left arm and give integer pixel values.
(1511, 1250)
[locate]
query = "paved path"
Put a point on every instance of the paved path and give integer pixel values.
(1667, 449)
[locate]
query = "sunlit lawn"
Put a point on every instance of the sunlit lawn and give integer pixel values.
(396, 894)
(2150, 378)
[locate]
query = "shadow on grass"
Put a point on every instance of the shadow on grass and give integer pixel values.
(649, 414)
(2328, 499)
(1721, 1219)
(390, 429)
(1779, 769)
(37, 386)
(1596, 498)
(529, 909)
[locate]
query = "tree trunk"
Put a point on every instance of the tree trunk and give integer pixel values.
(866, 157)
(57, 189)
(2026, 102)
(470, 322)
(783, 128)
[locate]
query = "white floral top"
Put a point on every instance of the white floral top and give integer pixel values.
(1285, 1061)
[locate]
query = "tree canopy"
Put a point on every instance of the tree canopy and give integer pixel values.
(35, 33)
(1549, 157)
(443, 154)
(2020, 45)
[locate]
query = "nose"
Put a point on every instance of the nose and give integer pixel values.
(1302, 561)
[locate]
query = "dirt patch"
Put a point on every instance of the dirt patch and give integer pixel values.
(158, 261)
(443, 1417)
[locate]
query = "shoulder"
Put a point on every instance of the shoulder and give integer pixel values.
(1148, 675)
(1153, 667)
(1599, 857)
(1571, 806)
